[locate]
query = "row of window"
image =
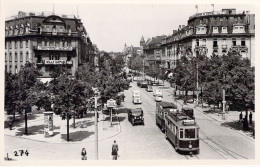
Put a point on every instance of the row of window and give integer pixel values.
(62, 43)
(16, 57)
(215, 30)
(224, 42)
(16, 44)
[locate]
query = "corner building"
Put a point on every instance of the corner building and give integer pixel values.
(217, 32)
(47, 40)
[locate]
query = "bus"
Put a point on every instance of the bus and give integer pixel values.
(136, 97)
(182, 132)
(162, 109)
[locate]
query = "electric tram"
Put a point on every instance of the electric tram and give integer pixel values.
(182, 131)
(162, 109)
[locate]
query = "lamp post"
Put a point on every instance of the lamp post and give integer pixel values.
(224, 101)
(197, 102)
(96, 124)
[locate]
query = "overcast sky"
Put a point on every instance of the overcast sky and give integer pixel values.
(111, 25)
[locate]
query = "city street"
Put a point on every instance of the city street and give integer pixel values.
(141, 141)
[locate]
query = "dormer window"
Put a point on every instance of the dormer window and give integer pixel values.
(201, 30)
(27, 28)
(16, 30)
(21, 29)
(215, 30)
(11, 31)
(238, 29)
(224, 30)
(54, 30)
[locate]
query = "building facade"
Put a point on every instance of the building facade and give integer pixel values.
(153, 51)
(212, 33)
(47, 40)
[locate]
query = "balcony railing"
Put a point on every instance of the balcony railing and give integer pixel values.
(215, 13)
(54, 62)
(59, 48)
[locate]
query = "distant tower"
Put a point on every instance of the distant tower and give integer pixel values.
(142, 42)
(125, 48)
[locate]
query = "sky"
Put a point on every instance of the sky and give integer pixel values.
(111, 25)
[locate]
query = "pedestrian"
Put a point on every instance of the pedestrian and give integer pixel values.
(114, 150)
(250, 118)
(240, 117)
(84, 154)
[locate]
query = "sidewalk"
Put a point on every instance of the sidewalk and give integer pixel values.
(84, 131)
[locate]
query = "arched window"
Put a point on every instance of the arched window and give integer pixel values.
(54, 30)
(16, 30)
(11, 31)
(21, 29)
(69, 30)
(27, 28)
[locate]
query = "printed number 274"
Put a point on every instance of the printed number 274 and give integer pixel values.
(16, 153)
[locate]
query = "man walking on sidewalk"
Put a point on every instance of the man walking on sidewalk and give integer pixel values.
(114, 150)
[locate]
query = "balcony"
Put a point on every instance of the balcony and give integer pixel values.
(54, 48)
(239, 48)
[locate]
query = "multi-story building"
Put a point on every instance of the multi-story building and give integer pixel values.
(153, 50)
(47, 40)
(212, 33)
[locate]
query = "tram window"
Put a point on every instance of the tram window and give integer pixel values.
(181, 133)
(189, 133)
(197, 133)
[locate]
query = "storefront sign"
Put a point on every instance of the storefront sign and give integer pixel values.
(54, 61)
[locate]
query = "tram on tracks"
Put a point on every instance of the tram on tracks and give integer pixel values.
(182, 131)
(162, 109)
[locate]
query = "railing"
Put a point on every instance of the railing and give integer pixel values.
(216, 13)
(43, 14)
(60, 48)
(54, 62)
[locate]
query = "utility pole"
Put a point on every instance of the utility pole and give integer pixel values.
(197, 84)
(96, 128)
(224, 104)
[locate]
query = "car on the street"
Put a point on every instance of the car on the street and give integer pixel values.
(158, 92)
(149, 88)
(143, 84)
(188, 111)
(136, 116)
(158, 98)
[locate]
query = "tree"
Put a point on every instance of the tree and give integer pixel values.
(27, 78)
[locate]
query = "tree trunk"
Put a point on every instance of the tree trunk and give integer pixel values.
(74, 124)
(14, 116)
(68, 121)
(201, 97)
(25, 121)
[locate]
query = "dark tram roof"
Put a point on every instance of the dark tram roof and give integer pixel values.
(165, 104)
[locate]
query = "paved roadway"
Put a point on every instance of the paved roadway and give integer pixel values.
(143, 142)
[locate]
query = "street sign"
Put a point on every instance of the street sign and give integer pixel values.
(111, 103)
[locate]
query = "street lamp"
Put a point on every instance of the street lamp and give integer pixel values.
(224, 102)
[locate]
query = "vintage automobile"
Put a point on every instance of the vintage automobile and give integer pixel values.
(158, 92)
(136, 116)
(158, 98)
(149, 88)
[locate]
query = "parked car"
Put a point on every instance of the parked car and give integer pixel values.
(158, 92)
(158, 98)
(149, 88)
(143, 84)
(136, 116)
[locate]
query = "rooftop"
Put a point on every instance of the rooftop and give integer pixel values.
(223, 12)
(22, 14)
